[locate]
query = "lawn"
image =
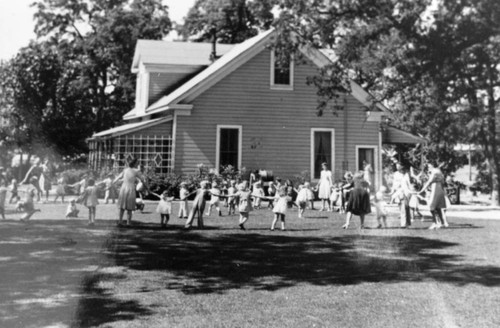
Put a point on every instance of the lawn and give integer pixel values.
(62, 273)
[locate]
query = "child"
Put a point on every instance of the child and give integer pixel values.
(214, 199)
(89, 199)
(164, 207)
(183, 195)
(257, 192)
(271, 191)
(3, 196)
(109, 189)
(280, 206)
(198, 205)
(359, 200)
(139, 204)
(72, 211)
(28, 205)
(14, 188)
(291, 192)
(244, 196)
(301, 200)
(345, 190)
(310, 194)
(380, 207)
(60, 189)
(335, 197)
(231, 199)
(415, 198)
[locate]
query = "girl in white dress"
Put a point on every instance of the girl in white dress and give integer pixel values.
(164, 207)
(280, 206)
(324, 187)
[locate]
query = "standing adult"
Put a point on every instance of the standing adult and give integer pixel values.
(359, 200)
(325, 187)
(437, 199)
(45, 178)
(402, 192)
(127, 194)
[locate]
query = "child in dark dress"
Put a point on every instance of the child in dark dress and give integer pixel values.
(359, 200)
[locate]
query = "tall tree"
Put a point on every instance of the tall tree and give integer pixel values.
(231, 21)
(435, 61)
(100, 35)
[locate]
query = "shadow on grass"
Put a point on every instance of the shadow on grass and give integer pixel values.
(204, 263)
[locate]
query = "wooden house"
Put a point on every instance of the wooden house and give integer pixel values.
(242, 110)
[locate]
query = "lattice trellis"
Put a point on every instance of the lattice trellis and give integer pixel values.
(153, 152)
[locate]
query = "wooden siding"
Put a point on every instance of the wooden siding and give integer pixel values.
(276, 124)
(163, 83)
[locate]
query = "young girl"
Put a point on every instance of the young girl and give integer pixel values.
(14, 189)
(280, 206)
(301, 200)
(198, 205)
(164, 207)
(231, 199)
(380, 207)
(28, 205)
(183, 205)
(271, 192)
(60, 189)
(345, 190)
(72, 211)
(244, 196)
(335, 197)
(310, 194)
(109, 189)
(89, 199)
(214, 199)
(415, 198)
(257, 192)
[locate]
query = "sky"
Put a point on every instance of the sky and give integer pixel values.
(16, 22)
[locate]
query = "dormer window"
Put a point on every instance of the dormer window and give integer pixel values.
(281, 72)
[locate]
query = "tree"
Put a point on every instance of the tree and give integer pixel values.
(99, 37)
(436, 62)
(232, 21)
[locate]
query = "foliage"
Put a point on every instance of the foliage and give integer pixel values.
(434, 62)
(232, 21)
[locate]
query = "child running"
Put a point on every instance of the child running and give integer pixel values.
(381, 211)
(28, 205)
(301, 200)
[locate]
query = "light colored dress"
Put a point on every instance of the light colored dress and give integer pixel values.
(437, 198)
(90, 196)
(126, 197)
(280, 204)
(165, 206)
(245, 205)
(325, 184)
(214, 199)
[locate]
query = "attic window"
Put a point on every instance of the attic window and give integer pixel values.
(281, 72)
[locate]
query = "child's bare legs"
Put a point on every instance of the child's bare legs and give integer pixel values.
(437, 217)
(275, 219)
(444, 217)
(164, 219)
(382, 221)
(243, 219)
(362, 221)
(301, 211)
(282, 217)
(92, 211)
(183, 210)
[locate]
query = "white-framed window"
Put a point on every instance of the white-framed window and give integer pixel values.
(228, 146)
(281, 73)
(367, 155)
(322, 150)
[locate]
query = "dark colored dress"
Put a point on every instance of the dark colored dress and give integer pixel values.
(437, 200)
(358, 202)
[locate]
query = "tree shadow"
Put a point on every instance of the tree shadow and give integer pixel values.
(215, 263)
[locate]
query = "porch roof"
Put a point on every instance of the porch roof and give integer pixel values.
(128, 128)
(392, 135)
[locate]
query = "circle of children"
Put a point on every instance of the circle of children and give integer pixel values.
(351, 196)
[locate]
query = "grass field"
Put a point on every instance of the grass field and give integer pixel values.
(62, 273)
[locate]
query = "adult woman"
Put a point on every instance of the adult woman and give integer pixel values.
(127, 194)
(41, 172)
(325, 186)
(437, 200)
(359, 200)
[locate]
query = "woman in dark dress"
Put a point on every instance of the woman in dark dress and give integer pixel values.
(358, 202)
(437, 203)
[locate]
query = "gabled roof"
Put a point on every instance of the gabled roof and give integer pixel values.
(233, 59)
(393, 135)
(175, 53)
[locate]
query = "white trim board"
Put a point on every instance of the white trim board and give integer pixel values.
(332, 160)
